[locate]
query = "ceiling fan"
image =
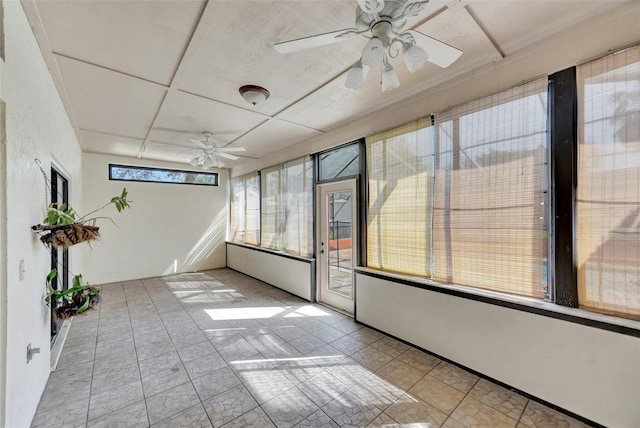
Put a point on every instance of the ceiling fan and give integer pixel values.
(381, 23)
(211, 152)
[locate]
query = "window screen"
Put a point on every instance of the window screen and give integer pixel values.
(489, 228)
(341, 162)
(608, 205)
(400, 171)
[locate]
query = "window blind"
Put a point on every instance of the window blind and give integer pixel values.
(252, 208)
(489, 226)
(244, 225)
(272, 208)
(608, 202)
(298, 181)
(237, 211)
(287, 207)
(400, 171)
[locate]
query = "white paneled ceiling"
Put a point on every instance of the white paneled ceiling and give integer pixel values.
(142, 78)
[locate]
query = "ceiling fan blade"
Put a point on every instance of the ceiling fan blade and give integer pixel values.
(440, 53)
(204, 144)
(226, 155)
(315, 41)
(232, 149)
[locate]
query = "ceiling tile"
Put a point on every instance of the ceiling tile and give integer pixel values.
(110, 144)
(237, 49)
(142, 38)
(504, 19)
(334, 104)
(272, 136)
(185, 112)
(110, 102)
(169, 152)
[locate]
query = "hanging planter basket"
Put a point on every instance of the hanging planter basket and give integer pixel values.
(61, 236)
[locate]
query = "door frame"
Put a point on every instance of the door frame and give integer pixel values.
(61, 281)
(351, 184)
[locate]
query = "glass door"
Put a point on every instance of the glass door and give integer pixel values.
(337, 243)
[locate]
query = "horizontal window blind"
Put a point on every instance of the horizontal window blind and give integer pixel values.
(237, 211)
(490, 186)
(608, 205)
(252, 208)
(400, 171)
(298, 182)
(244, 225)
(287, 207)
(272, 208)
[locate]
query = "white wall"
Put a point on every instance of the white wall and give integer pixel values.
(592, 38)
(288, 274)
(36, 127)
(169, 228)
(591, 372)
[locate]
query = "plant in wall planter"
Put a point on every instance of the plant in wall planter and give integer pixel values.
(62, 227)
(73, 301)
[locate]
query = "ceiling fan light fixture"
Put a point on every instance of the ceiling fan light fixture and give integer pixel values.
(414, 56)
(373, 52)
(389, 78)
(254, 95)
(208, 163)
(355, 79)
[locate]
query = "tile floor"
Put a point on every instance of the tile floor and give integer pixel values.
(222, 349)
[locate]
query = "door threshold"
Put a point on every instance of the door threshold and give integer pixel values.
(58, 344)
(340, 311)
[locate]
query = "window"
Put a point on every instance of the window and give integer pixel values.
(272, 208)
(400, 170)
(489, 221)
(464, 201)
(245, 209)
(161, 175)
(299, 207)
(287, 205)
(341, 162)
(608, 201)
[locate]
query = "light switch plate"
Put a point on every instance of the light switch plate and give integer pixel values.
(21, 269)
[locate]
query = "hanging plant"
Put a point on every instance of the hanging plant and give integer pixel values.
(73, 301)
(62, 227)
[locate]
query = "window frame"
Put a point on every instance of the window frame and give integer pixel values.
(148, 168)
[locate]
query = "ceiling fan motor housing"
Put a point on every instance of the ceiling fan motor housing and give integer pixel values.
(366, 22)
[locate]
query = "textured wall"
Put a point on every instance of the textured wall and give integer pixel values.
(36, 127)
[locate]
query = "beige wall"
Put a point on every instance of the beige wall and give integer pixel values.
(170, 227)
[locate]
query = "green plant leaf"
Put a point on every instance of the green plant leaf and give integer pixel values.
(77, 281)
(52, 274)
(85, 305)
(121, 201)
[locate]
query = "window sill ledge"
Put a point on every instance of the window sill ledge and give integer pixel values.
(525, 304)
(274, 252)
